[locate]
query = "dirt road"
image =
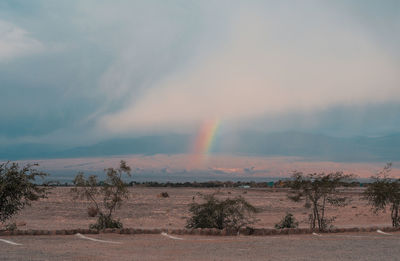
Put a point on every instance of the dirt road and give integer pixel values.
(353, 246)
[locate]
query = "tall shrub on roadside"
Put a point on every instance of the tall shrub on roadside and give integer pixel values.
(384, 192)
(318, 191)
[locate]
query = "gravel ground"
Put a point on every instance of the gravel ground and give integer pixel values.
(354, 246)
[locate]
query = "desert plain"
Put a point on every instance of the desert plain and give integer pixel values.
(145, 208)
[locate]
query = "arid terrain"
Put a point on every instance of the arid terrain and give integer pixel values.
(146, 209)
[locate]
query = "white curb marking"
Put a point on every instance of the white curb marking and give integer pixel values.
(96, 240)
(383, 233)
(315, 234)
(10, 242)
(172, 237)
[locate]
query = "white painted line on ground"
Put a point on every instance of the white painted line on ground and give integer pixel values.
(383, 233)
(227, 238)
(96, 240)
(349, 236)
(315, 234)
(172, 237)
(10, 242)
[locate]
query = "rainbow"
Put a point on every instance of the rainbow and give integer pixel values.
(204, 140)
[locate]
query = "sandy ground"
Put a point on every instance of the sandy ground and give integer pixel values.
(145, 209)
(354, 246)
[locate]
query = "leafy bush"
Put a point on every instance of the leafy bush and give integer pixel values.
(215, 213)
(18, 188)
(113, 191)
(287, 222)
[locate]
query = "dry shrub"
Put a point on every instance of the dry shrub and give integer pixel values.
(163, 195)
(92, 211)
(11, 226)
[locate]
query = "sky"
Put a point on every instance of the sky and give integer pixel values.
(79, 72)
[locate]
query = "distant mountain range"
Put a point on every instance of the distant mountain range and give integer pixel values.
(311, 146)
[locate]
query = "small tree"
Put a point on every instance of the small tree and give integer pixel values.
(215, 213)
(385, 191)
(18, 188)
(318, 190)
(113, 191)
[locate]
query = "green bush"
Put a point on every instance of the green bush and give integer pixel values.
(215, 213)
(105, 221)
(287, 222)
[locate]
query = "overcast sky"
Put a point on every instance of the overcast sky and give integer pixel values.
(74, 72)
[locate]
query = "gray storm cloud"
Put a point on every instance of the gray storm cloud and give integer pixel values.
(268, 62)
(77, 72)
